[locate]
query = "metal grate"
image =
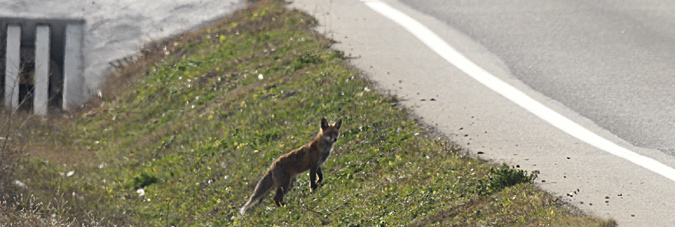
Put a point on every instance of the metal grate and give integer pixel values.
(41, 64)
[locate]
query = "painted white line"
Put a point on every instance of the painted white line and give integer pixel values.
(455, 58)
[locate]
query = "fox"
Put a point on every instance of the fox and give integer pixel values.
(281, 175)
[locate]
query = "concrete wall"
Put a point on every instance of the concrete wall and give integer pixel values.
(113, 30)
(42, 62)
(54, 47)
(73, 87)
(12, 64)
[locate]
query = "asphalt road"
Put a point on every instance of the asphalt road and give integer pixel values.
(579, 60)
(611, 61)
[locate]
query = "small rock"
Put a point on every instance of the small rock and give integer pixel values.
(606, 197)
(20, 184)
(480, 152)
(568, 157)
(432, 99)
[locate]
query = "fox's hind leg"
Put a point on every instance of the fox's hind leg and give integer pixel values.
(293, 180)
(279, 198)
(281, 191)
(263, 197)
(285, 182)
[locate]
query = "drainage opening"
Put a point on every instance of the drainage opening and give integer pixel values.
(41, 64)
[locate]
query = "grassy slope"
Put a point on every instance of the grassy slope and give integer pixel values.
(199, 127)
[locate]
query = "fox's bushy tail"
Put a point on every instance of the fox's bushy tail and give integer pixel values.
(263, 188)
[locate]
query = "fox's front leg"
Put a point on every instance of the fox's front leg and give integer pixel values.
(312, 178)
(320, 174)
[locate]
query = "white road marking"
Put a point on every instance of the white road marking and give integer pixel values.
(455, 58)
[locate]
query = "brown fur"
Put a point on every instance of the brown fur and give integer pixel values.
(282, 173)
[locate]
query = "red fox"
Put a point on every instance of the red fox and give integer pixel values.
(282, 174)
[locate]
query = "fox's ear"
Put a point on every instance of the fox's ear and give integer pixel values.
(338, 123)
(324, 123)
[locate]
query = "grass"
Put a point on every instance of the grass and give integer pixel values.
(185, 132)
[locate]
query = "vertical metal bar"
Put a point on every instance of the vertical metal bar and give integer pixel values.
(42, 60)
(73, 84)
(12, 64)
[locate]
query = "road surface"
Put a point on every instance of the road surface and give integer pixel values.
(593, 64)
(611, 61)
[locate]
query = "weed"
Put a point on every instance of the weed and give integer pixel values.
(142, 180)
(502, 177)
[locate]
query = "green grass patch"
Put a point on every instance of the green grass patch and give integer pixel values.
(205, 114)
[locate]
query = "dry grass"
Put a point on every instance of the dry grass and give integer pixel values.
(27, 213)
(11, 146)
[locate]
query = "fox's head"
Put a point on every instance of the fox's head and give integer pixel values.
(330, 132)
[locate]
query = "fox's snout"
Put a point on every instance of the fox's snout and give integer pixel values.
(331, 139)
